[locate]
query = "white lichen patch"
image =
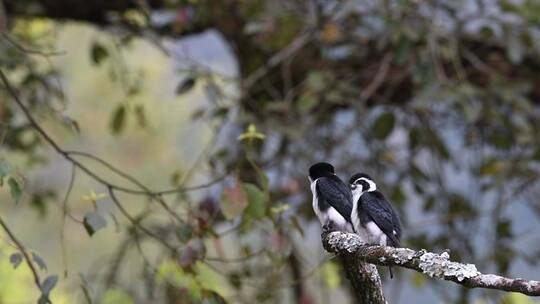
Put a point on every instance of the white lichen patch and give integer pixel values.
(401, 257)
(491, 279)
(346, 241)
(439, 265)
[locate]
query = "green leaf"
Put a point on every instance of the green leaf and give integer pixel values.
(48, 284)
(403, 50)
(118, 119)
(15, 189)
(460, 206)
(504, 229)
(383, 126)
(415, 138)
(251, 133)
(140, 114)
(315, 80)
(398, 196)
(72, 124)
(307, 102)
(15, 259)
(438, 145)
(98, 53)
(258, 201)
(4, 171)
(39, 261)
(116, 296)
(211, 279)
(492, 167)
(4, 168)
(93, 222)
(184, 233)
(185, 86)
(233, 201)
(429, 203)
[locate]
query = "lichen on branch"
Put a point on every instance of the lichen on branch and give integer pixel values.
(435, 265)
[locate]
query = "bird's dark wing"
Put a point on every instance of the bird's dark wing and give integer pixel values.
(332, 190)
(397, 222)
(382, 213)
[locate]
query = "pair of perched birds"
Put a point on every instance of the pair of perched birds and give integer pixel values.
(359, 208)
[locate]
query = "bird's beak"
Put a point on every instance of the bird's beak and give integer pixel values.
(353, 186)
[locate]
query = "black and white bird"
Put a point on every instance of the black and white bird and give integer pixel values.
(373, 217)
(332, 199)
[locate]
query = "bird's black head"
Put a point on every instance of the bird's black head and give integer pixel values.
(361, 182)
(320, 170)
(357, 176)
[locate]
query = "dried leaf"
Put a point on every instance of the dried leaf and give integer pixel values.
(233, 201)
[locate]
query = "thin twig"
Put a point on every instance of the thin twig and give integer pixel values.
(24, 252)
(134, 221)
(64, 215)
(23, 49)
(85, 169)
(285, 53)
(378, 80)
(130, 178)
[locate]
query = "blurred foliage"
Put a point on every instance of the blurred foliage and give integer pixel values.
(437, 100)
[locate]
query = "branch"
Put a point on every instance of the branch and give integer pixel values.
(24, 252)
(432, 264)
(365, 281)
(297, 44)
(68, 155)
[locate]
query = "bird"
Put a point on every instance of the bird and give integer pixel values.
(373, 217)
(332, 198)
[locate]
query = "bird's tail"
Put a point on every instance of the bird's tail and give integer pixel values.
(394, 241)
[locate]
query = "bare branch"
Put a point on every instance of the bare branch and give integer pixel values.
(135, 222)
(23, 49)
(68, 156)
(432, 264)
(65, 212)
(378, 80)
(298, 43)
(24, 252)
(365, 281)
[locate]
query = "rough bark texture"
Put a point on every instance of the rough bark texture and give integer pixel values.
(435, 265)
(365, 281)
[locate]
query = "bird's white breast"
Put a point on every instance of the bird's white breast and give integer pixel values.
(359, 229)
(315, 203)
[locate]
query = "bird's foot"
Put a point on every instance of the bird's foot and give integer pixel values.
(329, 227)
